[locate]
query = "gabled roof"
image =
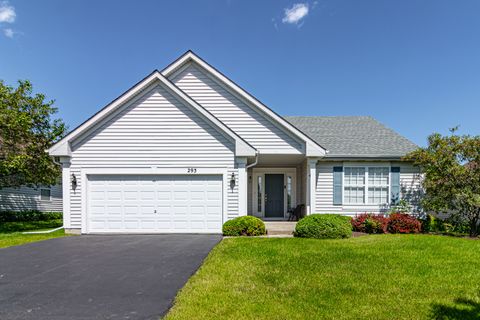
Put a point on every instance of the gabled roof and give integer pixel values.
(354, 137)
(62, 147)
(313, 147)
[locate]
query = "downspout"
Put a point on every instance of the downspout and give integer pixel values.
(47, 231)
(255, 162)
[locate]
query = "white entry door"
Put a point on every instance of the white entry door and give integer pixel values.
(154, 204)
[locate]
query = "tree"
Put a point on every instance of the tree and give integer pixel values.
(451, 168)
(27, 130)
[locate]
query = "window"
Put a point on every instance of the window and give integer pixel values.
(378, 185)
(354, 185)
(45, 194)
(259, 194)
(366, 185)
(289, 192)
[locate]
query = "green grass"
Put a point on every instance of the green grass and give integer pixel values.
(17, 238)
(371, 277)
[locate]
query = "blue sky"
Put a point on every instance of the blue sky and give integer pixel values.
(413, 65)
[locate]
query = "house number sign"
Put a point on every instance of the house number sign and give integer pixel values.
(192, 170)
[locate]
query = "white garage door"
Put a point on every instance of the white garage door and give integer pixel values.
(155, 204)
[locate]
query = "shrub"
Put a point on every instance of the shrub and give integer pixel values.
(402, 207)
(244, 226)
(403, 223)
(456, 224)
(29, 225)
(370, 223)
(324, 226)
(28, 215)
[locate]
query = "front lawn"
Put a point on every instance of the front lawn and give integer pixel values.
(17, 238)
(371, 277)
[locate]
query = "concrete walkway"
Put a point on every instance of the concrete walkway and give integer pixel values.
(280, 228)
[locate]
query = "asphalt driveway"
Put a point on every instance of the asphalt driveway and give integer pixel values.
(98, 277)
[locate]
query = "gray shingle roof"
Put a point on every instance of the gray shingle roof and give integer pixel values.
(354, 136)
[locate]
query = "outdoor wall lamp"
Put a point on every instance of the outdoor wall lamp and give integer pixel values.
(232, 181)
(74, 182)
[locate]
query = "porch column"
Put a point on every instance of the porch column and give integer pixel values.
(65, 161)
(311, 185)
(242, 186)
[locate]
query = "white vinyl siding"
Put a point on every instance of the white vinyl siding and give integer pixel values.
(154, 130)
(251, 125)
(409, 186)
(25, 198)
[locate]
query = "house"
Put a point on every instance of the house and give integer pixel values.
(45, 198)
(186, 149)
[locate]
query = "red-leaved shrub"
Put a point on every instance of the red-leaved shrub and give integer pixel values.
(370, 223)
(403, 223)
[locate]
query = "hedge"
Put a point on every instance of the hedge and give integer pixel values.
(28, 215)
(324, 226)
(29, 225)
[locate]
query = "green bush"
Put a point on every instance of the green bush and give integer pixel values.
(6, 227)
(431, 224)
(451, 225)
(324, 226)
(28, 215)
(244, 226)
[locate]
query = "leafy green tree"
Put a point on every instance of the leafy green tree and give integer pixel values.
(26, 131)
(451, 168)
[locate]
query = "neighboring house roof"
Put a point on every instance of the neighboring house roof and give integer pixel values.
(313, 147)
(354, 136)
(62, 147)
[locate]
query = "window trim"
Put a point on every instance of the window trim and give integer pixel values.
(49, 194)
(366, 185)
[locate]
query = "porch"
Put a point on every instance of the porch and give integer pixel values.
(278, 184)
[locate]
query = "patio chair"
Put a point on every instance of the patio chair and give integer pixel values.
(295, 213)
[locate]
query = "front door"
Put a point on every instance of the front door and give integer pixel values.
(274, 196)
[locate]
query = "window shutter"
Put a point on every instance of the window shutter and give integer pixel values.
(395, 185)
(337, 185)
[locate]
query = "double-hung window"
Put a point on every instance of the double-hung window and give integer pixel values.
(45, 195)
(378, 185)
(354, 185)
(366, 185)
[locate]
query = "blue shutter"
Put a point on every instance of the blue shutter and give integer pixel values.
(395, 187)
(337, 185)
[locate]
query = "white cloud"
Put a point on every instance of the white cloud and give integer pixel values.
(8, 32)
(7, 12)
(296, 13)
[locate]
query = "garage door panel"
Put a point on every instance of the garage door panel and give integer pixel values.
(161, 203)
(130, 195)
(131, 224)
(181, 225)
(147, 195)
(130, 209)
(114, 224)
(164, 195)
(164, 225)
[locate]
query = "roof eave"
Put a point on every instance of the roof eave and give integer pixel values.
(368, 157)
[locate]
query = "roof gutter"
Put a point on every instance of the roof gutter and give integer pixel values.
(364, 157)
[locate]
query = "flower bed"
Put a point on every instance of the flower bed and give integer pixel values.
(377, 223)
